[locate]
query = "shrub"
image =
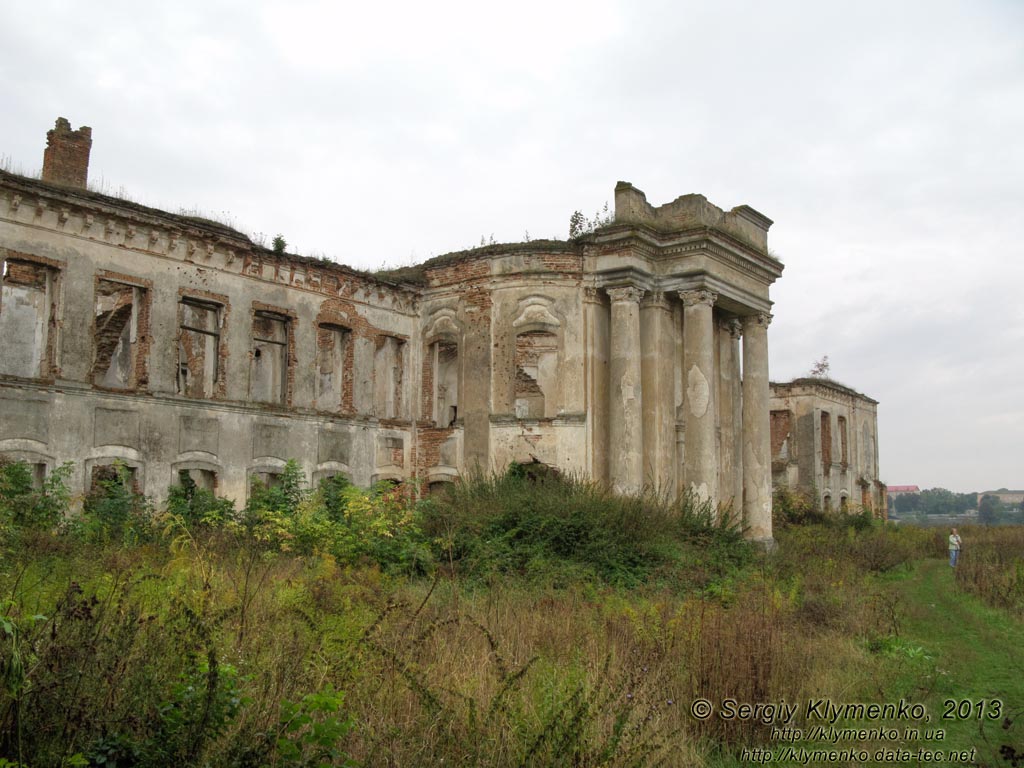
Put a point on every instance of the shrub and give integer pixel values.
(196, 506)
(22, 505)
(541, 524)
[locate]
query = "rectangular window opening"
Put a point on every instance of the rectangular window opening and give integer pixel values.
(199, 365)
(116, 335)
(268, 380)
(27, 318)
(331, 352)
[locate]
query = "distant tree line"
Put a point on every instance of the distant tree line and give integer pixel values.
(940, 501)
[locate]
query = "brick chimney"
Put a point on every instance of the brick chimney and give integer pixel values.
(66, 159)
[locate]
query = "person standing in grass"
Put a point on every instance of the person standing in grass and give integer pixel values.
(954, 548)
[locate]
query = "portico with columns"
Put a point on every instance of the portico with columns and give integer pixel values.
(685, 289)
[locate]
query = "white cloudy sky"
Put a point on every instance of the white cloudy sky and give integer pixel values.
(886, 140)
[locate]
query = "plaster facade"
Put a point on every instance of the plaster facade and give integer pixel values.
(176, 344)
(825, 441)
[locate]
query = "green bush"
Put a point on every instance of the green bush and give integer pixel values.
(22, 505)
(114, 510)
(195, 506)
(563, 529)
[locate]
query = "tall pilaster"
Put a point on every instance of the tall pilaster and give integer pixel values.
(700, 465)
(625, 417)
(757, 469)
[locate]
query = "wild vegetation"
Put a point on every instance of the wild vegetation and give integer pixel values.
(519, 620)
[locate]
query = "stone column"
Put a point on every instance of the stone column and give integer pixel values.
(700, 466)
(757, 467)
(625, 417)
(658, 370)
(731, 417)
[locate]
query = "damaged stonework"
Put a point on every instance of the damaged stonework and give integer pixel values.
(181, 348)
(824, 440)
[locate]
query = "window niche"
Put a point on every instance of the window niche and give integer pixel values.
(843, 444)
(27, 318)
(826, 442)
(332, 347)
(536, 375)
(199, 350)
(268, 374)
(445, 357)
(120, 320)
(388, 375)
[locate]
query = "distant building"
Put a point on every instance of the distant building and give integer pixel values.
(902, 490)
(825, 441)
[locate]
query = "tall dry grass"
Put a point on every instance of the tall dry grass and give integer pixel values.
(991, 565)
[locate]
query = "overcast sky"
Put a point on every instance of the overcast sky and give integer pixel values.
(885, 139)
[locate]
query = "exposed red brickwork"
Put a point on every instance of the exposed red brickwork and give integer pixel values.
(430, 440)
(781, 425)
(66, 158)
(566, 263)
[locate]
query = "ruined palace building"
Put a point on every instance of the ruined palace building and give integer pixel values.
(175, 344)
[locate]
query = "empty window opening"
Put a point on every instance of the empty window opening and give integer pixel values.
(331, 350)
(843, 456)
(198, 348)
(26, 318)
(827, 503)
(438, 488)
(446, 383)
(536, 375)
(844, 506)
(203, 479)
(268, 378)
(826, 442)
(390, 451)
(22, 471)
(388, 374)
(266, 478)
(117, 347)
(105, 475)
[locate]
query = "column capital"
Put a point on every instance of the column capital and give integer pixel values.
(692, 298)
(626, 293)
(655, 300)
(759, 320)
(733, 327)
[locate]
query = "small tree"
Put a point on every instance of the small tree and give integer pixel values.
(279, 243)
(989, 509)
(820, 369)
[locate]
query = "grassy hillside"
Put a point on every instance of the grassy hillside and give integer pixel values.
(520, 620)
